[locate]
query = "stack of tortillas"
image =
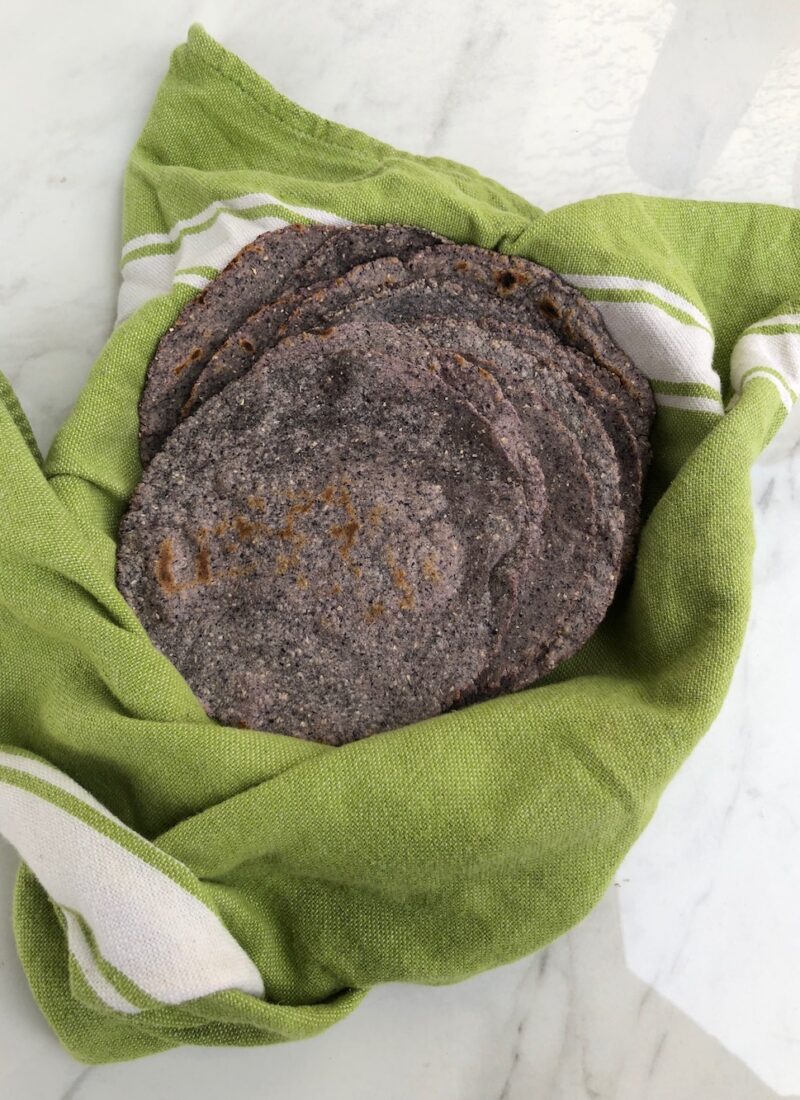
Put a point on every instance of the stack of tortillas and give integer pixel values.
(385, 475)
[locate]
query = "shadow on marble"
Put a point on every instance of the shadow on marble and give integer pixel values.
(710, 917)
(570, 1023)
(710, 66)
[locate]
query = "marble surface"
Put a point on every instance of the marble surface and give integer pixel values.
(682, 984)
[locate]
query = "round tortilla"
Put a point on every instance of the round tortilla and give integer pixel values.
(315, 548)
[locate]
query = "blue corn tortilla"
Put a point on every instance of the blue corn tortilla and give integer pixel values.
(318, 548)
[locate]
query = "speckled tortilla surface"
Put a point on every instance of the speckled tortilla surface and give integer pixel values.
(386, 475)
(316, 549)
(274, 264)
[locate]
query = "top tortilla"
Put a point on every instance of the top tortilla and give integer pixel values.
(315, 548)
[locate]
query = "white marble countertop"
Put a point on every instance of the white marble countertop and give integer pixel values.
(683, 983)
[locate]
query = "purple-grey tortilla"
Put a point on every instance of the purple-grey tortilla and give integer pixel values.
(315, 548)
(275, 263)
(388, 475)
(264, 328)
(566, 598)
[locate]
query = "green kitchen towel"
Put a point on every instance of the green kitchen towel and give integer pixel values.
(184, 882)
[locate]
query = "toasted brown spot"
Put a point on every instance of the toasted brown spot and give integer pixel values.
(401, 583)
(430, 572)
(336, 589)
(485, 374)
(202, 561)
(248, 345)
(229, 547)
(301, 581)
(282, 563)
(327, 331)
(203, 574)
(461, 265)
(221, 528)
(375, 515)
(197, 353)
(508, 280)
(549, 308)
(256, 504)
(347, 533)
(374, 611)
(244, 528)
(165, 575)
(288, 532)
